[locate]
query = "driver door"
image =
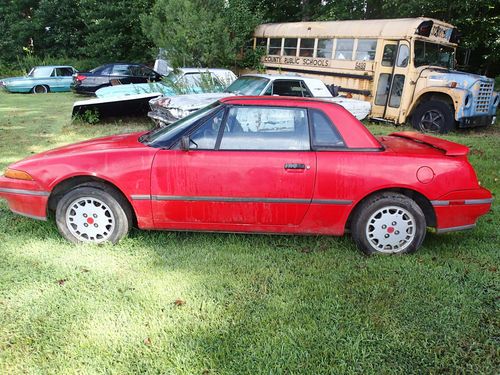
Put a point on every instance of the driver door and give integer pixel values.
(249, 165)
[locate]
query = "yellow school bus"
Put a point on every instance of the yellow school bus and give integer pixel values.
(404, 67)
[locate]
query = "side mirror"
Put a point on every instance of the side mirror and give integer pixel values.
(185, 143)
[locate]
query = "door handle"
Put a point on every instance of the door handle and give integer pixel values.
(296, 166)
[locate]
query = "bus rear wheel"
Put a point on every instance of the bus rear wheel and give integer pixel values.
(433, 116)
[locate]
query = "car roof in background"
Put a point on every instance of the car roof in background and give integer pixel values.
(281, 76)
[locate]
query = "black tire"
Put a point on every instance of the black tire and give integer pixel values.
(93, 214)
(40, 89)
(394, 211)
(433, 116)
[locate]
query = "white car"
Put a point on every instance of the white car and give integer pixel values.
(167, 109)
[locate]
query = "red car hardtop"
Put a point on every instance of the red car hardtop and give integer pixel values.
(255, 164)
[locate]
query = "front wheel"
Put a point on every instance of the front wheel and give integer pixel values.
(433, 116)
(92, 215)
(388, 223)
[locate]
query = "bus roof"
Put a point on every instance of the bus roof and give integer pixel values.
(387, 28)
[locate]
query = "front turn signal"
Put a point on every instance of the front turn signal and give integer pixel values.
(17, 175)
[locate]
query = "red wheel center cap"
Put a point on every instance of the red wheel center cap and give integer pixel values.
(90, 220)
(390, 230)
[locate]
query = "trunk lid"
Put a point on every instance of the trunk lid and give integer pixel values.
(420, 143)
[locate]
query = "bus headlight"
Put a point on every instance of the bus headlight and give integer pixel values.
(468, 101)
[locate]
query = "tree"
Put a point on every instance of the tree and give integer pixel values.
(16, 23)
(113, 30)
(201, 33)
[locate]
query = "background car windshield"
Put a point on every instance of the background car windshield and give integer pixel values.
(40, 72)
(248, 86)
(433, 54)
(163, 136)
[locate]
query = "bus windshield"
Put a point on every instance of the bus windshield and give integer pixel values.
(433, 54)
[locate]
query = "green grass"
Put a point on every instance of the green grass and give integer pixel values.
(193, 303)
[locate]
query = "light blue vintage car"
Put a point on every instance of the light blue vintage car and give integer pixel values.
(41, 79)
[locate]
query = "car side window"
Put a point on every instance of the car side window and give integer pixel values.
(325, 134)
(205, 137)
(64, 72)
(266, 128)
(290, 88)
(120, 70)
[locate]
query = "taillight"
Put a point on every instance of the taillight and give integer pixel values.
(80, 78)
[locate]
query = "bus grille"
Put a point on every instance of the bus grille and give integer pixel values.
(484, 97)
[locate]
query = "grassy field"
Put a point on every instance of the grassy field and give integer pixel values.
(192, 303)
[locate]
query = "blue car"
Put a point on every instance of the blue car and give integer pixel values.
(41, 80)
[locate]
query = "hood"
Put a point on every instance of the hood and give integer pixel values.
(443, 77)
(112, 142)
(190, 102)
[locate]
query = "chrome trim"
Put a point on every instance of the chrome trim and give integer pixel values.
(25, 192)
(332, 201)
(440, 203)
(455, 229)
(242, 200)
(42, 218)
(140, 197)
(228, 199)
(466, 201)
(479, 201)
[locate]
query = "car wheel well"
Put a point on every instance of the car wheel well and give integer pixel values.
(424, 204)
(71, 183)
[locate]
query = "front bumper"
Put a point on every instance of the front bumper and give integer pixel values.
(475, 121)
(460, 210)
(24, 197)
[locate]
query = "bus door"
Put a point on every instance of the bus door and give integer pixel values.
(391, 80)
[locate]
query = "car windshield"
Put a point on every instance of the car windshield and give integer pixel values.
(40, 71)
(248, 86)
(98, 69)
(162, 136)
(433, 54)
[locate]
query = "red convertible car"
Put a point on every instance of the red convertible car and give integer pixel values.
(255, 164)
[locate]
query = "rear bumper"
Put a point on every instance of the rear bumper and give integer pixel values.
(24, 197)
(460, 210)
(475, 121)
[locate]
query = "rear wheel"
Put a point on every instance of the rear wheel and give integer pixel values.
(388, 223)
(433, 116)
(40, 89)
(93, 215)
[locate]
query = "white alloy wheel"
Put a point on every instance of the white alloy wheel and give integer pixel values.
(390, 229)
(90, 220)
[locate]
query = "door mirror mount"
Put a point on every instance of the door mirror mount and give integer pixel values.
(185, 143)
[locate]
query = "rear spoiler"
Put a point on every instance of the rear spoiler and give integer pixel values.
(449, 148)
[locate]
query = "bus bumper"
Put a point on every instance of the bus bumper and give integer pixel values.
(474, 121)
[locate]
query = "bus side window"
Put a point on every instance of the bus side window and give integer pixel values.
(403, 56)
(389, 55)
(290, 47)
(325, 48)
(384, 83)
(366, 49)
(275, 46)
(344, 49)
(306, 47)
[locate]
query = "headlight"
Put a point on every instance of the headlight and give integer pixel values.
(17, 175)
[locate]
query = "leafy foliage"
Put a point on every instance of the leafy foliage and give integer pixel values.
(201, 33)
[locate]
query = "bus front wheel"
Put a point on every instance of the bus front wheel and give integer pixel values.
(433, 116)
